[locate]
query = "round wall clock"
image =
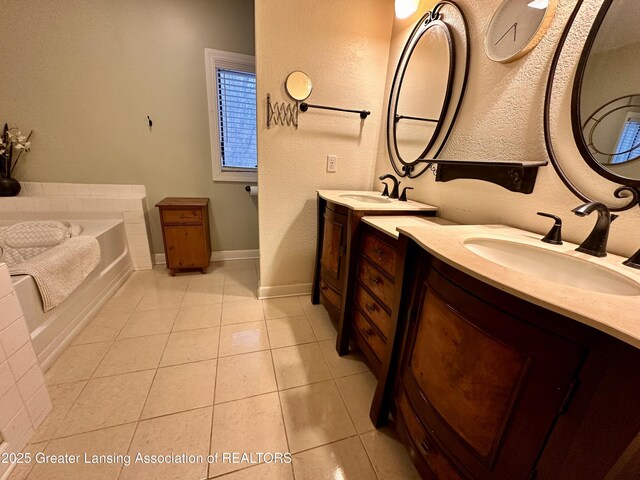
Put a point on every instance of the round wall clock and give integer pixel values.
(516, 28)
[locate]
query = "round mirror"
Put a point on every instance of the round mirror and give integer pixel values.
(298, 85)
(426, 95)
(606, 95)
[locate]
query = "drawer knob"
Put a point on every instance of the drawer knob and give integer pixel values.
(367, 332)
(371, 308)
(375, 280)
(380, 253)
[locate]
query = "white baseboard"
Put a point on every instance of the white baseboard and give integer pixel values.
(218, 256)
(284, 290)
(234, 255)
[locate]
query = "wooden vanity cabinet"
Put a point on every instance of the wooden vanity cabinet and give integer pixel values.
(333, 259)
(374, 296)
(185, 232)
(485, 378)
(338, 270)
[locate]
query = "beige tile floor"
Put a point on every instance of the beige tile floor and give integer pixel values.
(196, 364)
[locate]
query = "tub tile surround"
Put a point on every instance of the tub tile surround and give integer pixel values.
(240, 390)
(39, 200)
(24, 397)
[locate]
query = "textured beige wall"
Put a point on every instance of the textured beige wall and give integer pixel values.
(343, 46)
(85, 74)
(501, 117)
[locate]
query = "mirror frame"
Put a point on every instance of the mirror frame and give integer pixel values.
(431, 19)
(628, 189)
(576, 121)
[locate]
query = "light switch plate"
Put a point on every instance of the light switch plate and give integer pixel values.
(332, 163)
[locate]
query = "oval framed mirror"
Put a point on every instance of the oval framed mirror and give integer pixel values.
(605, 105)
(298, 85)
(427, 89)
(605, 101)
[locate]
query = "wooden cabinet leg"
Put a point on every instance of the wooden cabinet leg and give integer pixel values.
(203, 270)
(172, 271)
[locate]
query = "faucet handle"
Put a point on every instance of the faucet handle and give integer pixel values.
(403, 195)
(634, 260)
(385, 192)
(554, 236)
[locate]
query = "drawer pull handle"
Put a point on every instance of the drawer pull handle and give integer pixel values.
(380, 253)
(371, 308)
(375, 280)
(367, 332)
(425, 446)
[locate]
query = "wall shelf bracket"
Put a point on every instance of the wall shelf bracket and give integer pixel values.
(281, 113)
(515, 176)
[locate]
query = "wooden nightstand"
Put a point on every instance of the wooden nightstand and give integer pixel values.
(185, 231)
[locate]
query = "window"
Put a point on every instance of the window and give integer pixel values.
(629, 141)
(231, 91)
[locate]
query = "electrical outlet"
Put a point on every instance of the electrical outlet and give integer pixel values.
(332, 163)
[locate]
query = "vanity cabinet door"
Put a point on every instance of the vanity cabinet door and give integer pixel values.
(334, 240)
(486, 384)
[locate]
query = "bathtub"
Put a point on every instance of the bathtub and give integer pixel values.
(52, 331)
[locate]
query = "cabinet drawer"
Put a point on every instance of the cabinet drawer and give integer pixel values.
(379, 253)
(182, 216)
(374, 310)
(425, 447)
(376, 281)
(369, 334)
(333, 297)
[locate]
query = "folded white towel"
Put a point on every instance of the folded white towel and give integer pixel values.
(61, 269)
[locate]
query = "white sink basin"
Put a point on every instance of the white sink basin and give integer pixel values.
(553, 266)
(366, 198)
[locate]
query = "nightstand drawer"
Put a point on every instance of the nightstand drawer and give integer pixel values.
(376, 281)
(369, 334)
(379, 253)
(182, 216)
(425, 446)
(374, 310)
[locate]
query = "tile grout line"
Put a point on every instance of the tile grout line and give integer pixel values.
(215, 384)
(144, 404)
(135, 429)
(364, 447)
(356, 428)
(275, 377)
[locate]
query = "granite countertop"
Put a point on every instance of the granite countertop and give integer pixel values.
(389, 223)
(616, 315)
(338, 196)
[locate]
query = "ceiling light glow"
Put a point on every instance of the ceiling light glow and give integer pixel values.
(405, 8)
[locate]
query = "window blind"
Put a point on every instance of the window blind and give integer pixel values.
(237, 119)
(629, 138)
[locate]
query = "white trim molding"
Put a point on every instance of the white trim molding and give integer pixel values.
(234, 255)
(236, 61)
(218, 256)
(284, 290)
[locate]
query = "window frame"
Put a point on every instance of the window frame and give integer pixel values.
(631, 117)
(234, 61)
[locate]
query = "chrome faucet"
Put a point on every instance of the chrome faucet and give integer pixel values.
(596, 243)
(396, 184)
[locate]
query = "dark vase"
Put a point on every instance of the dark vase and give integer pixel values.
(9, 187)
